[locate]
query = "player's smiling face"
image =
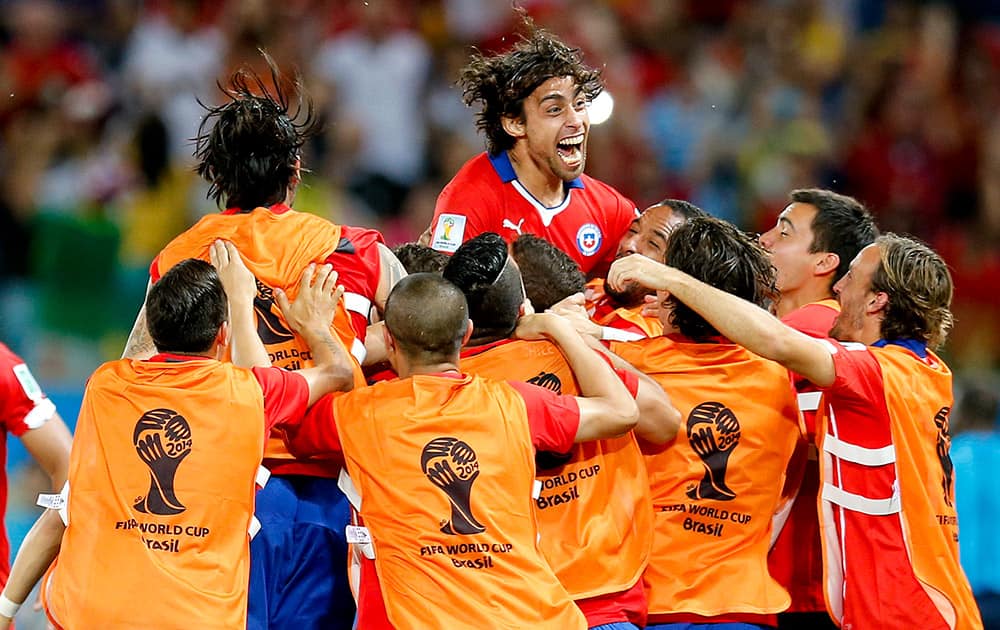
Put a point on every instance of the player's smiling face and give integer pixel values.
(555, 127)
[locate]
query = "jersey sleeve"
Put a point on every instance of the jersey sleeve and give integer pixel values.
(23, 405)
(552, 419)
(316, 434)
(357, 261)
(461, 213)
(858, 375)
(286, 395)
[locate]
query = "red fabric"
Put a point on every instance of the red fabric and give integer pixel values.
(796, 559)
(14, 407)
(627, 605)
(553, 419)
(478, 193)
(286, 395)
(857, 397)
(358, 263)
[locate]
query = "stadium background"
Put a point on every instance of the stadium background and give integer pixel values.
(727, 103)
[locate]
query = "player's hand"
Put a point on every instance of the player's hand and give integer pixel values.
(316, 303)
(541, 326)
(636, 268)
(651, 306)
(239, 283)
(573, 309)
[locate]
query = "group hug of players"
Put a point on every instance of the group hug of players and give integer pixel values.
(642, 443)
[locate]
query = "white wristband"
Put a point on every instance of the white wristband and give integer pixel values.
(8, 608)
(614, 334)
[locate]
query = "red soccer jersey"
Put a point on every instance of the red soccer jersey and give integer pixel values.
(890, 531)
(23, 407)
(486, 196)
(796, 559)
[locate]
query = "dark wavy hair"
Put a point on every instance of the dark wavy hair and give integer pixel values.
(500, 83)
(247, 148)
(549, 274)
(919, 287)
(718, 254)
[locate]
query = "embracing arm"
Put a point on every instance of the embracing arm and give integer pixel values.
(659, 420)
(607, 409)
(738, 320)
(391, 271)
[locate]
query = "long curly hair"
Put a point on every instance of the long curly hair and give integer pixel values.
(500, 83)
(247, 148)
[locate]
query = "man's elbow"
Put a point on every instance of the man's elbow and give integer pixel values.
(340, 378)
(628, 418)
(659, 423)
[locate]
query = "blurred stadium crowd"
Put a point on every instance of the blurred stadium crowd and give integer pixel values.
(729, 104)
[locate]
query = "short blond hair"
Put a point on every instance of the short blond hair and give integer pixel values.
(919, 287)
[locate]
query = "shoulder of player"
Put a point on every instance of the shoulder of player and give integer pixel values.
(597, 187)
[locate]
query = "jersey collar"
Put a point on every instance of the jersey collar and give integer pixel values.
(915, 346)
(503, 167)
(166, 357)
(278, 208)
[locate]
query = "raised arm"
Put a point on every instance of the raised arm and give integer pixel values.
(310, 316)
(607, 409)
(737, 319)
(246, 348)
(140, 344)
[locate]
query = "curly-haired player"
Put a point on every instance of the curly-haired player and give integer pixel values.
(533, 111)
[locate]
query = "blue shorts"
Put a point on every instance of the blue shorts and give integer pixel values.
(618, 625)
(298, 559)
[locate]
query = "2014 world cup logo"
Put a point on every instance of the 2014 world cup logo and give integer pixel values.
(714, 431)
(162, 439)
(270, 328)
(942, 422)
(452, 465)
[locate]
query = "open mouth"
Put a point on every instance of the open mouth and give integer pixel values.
(570, 150)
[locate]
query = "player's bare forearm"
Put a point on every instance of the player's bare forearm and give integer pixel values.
(37, 551)
(659, 420)
(737, 319)
(391, 271)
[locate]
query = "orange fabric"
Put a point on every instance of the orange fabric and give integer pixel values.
(276, 247)
(712, 522)
(161, 496)
(456, 518)
(604, 312)
(594, 511)
(914, 393)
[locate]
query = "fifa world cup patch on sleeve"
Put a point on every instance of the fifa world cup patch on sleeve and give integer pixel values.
(28, 382)
(448, 233)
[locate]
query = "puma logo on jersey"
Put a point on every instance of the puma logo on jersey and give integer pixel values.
(507, 223)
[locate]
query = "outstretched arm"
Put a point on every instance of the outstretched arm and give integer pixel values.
(737, 319)
(607, 409)
(241, 288)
